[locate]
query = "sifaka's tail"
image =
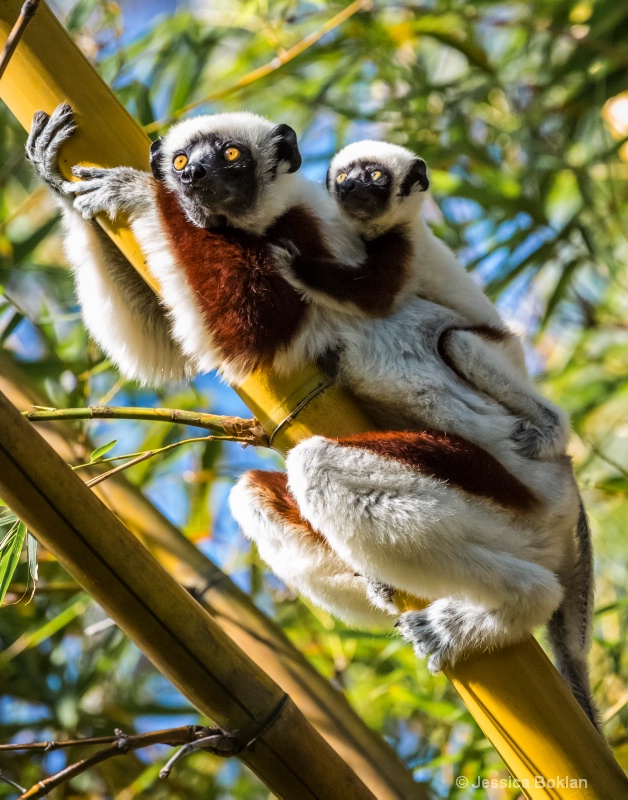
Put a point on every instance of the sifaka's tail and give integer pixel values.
(570, 626)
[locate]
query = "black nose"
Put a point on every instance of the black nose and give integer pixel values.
(348, 186)
(354, 191)
(193, 173)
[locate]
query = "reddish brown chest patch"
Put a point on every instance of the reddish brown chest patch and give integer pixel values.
(250, 310)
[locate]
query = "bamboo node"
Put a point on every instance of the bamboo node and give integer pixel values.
(222, 743)
(307, 399)
(198, 591)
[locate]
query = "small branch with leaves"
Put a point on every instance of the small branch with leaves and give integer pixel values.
(189, 738)
(223, 428)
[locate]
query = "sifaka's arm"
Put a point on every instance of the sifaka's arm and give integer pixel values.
(120, 311)
(476, 355)
(372, 287)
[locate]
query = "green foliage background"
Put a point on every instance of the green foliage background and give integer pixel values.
(518, 109)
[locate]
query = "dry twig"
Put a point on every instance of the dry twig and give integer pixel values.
(117, 745)
(248, 431)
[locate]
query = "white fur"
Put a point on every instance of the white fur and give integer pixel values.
(428, 538)
(394, 366)
(137, 342)
(302, 563)
(188, 324)
(119, 309)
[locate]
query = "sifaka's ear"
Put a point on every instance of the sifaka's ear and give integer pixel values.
(416, 175)
(287, 149)
(155, 152)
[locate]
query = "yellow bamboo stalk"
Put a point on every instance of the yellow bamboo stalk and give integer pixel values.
(515, 695)
(170, 627)
(263, 641)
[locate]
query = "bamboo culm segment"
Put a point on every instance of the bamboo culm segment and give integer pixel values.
(44, 71)
(170, 627)
(326, 708)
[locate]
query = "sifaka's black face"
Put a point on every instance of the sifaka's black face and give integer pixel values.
(216, 173)
(363, 189)
(218, 176)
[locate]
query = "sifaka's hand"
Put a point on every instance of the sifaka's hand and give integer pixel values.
(110, 191)
(284, 252)
(47, 134)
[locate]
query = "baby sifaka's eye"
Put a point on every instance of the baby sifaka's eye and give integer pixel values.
(376, 174)
(341, 177)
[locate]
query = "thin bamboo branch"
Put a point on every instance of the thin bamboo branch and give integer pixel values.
(171, 736)
(281, 59)
(610, 461)
(26, 14)
(4, 779)
(137, 458)
(118, 745)
(247, 430)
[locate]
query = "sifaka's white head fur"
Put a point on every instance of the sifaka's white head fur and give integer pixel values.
(408, 182)
(274, 162)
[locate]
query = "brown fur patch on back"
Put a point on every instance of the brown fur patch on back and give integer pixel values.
(250, 310)
(279, 499)
(451, 459)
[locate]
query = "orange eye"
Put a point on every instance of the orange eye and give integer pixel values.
(232, 154)
(180, 162)
(341, 177)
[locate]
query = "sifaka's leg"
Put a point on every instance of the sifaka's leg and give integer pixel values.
(268, 514)
(433, 515)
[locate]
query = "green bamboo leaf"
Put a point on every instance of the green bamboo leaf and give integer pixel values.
(8, 519)
(15, 320)
(73, 609)
(10, 557)
(560, 291)
(23, 250)
(31, 550)
(99, 452)
(80, 13)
